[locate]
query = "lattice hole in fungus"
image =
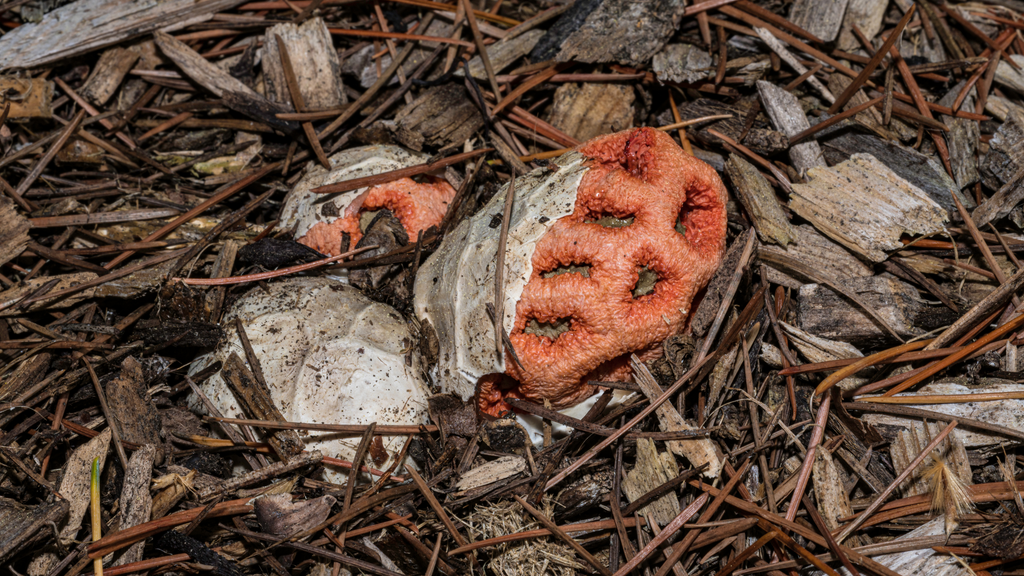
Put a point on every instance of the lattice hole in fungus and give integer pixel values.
(550, 330)
(645, 283)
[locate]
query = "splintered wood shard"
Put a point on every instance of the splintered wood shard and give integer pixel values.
(87, 25)
(865, 206)
(819, 17)
(236, 95)
(758, 199)
(788, 117)
(314, 60)
(699, 451)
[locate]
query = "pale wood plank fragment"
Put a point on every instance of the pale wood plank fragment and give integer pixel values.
(865, 206)
(758, 198)
(788, 117)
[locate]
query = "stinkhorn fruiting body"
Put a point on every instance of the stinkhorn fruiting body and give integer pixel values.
(329, 355)
(607, 248)
(325, 222)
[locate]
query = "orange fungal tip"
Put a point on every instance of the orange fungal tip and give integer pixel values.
(417, 206)
(333, 224)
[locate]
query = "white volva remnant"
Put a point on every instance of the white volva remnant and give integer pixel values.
(329, 355)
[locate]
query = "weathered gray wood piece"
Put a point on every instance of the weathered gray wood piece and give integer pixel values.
(779, 48)
(758, 198)
(136, 503)
(682, 63)
(1005, 155)
(107, 75)
(962, 138)
(13, 231)
(1009, 77)
(236, 95)
(135, 415)
(74, 488)
(818, 253)
(871, 118)
(788, 117)
(254, 398)
(1002, 202)
(502, 54)
(314, 60)
(623, 31)
(823, 312)
(25, 524)
(819, 17)
(867, 15)
(440, 116)
(591, 109)
(865, 206)
(87, 25)
(840, 142)
(760, 138)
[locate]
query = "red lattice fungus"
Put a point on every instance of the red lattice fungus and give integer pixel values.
(418, 205)
(618, 275)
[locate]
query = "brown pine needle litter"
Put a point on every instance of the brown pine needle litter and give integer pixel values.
(162, 297)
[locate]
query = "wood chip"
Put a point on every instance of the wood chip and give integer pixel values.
(85, 25)
(24, 524)
(11, 296)
(255, 399)
(817, 252)
(682, 63)
(107, 75)
(74, 487)
(698, 451)
(962, 138)
(758, 199)
(490, 472)
(590, 109)
(13, 231)
(1009, 77)
(137, 419)
(819, 17)
(867, 15)
(825, 313)
(623, 31)
(136, 502)
(788, 117)
(865, 206)
(830, 493)
(652, 469)
(1005, 155)
(838, 143)
(441, 116)
(502, 54)
(314, 60)
(1006, 413)
(236, 95)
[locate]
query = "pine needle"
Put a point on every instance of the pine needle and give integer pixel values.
(949, 493)
(97, 520)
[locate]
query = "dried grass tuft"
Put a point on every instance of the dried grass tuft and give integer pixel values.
(535, 556)
(949, 493)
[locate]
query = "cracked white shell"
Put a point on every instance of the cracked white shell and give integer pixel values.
(329, 355)
(303, 209)
(456, 283)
